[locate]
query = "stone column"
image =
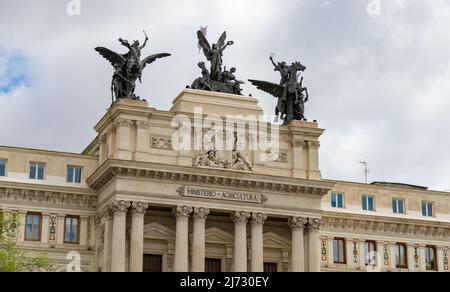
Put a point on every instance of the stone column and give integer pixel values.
(198, 244)
(137, 236)
(181, 240)
(45, 226)
(119, 209)
(60, 228)
(107, 237)
(83, 230)
(257, 262)
(313, 245)
(298, 249)
(240, 241)
(423, 265)
(22, 221)
(330, 241)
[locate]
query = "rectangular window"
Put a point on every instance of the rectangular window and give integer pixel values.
(71, 229)
(427, 209)
(337, 200)
(368, 203)
(370, 253)
(74, 174)
(2, 167)
(37, 171)
(430, 258)
(398, 206)
(401, 256)
(33, 227)
(270, 267)
(339, 251)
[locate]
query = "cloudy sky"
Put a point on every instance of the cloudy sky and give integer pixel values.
(379, 81)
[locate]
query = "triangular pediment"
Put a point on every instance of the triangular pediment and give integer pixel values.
(156, 230)
(216, 235)
(272, 239)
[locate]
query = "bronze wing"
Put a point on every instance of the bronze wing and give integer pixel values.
(113, 57)
(271, 88)
(203, 42)
(152, 58)
(221, 41)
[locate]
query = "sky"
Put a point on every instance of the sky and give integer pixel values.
(378, 72)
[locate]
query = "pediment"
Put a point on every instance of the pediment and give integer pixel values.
(156, 230)
(216, 235)
(272, 239)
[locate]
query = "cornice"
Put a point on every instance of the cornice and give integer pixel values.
(175, 173)
(384, 224)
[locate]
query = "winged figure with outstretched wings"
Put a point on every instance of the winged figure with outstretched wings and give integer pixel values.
(214, 53)
(290, 93)
(128, 67)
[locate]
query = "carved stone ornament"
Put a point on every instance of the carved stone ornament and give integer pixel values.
(240, 216)
(142, 125)
(201, 213)
(139, 207)
(123, 123)
(258, 218)
(323, 250)
(182, 211)
(161, 143)
(52, 228)
(120, 206)
(446, 267)
(314, 223)
(297, 222)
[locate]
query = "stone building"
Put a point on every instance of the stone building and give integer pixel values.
(133, 201)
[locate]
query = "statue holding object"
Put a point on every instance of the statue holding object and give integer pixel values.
(127, 67)
(290, 92)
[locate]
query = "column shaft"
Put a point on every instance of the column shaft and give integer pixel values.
(198, 244)
(181, 239)
(257, 262)
(137, 236)
(298, 248)
(119, 239)
(313, 245)
(240, 241)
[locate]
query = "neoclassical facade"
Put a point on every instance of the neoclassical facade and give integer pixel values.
(134, 201)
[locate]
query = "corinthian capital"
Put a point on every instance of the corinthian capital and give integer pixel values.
(182, 211)
(258, 218)
(139, 207)
(201, 213)
(123, 123)
(314, 223)
(120, 206)
(297, 222)
(240, 216)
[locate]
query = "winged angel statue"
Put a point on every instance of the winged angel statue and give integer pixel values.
(128, 67)
(290, 92)
(217, 78)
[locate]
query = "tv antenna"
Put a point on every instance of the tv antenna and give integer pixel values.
(366, 170)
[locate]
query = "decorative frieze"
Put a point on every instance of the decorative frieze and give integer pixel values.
(240, 216)
(182, 211)
(164, 143)
(445, 256)
(52, 228)
(258, 218)
(324, 249)
(279, 156)
(139, 207)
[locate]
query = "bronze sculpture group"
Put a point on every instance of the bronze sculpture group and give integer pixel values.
(290, 92)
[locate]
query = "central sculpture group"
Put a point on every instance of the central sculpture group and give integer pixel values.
(290, 92)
